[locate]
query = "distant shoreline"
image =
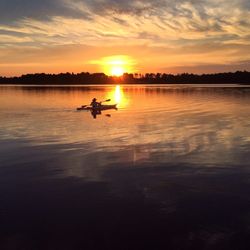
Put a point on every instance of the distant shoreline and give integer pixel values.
(85, 78)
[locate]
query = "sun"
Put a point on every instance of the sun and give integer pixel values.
(116, 65)
(117, 70)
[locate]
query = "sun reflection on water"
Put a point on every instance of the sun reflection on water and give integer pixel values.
(117, 95)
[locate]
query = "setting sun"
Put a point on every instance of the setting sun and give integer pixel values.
(116, 65)
(117, 70)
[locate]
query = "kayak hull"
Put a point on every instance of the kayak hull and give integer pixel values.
(102, 107)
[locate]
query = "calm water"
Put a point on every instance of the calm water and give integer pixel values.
(169, 169)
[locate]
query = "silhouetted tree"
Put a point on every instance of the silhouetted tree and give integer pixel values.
(242, 77)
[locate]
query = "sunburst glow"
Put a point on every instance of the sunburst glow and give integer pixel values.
(117, 71)
(116, 65)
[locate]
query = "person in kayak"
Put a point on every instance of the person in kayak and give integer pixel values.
(95, 104)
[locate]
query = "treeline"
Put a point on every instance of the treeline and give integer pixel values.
(239, 77)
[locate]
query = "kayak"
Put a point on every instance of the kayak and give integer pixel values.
(100, 108)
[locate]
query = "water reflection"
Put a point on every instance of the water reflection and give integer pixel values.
(153, 123)
(117, 95)
(97, 112)
(170, 170)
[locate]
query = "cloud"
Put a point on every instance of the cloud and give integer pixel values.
(11, 11)
(210, 29)
(190, 17)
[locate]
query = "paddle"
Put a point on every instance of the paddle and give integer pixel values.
(108, 100)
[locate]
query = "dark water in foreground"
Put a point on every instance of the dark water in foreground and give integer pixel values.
(168, 170)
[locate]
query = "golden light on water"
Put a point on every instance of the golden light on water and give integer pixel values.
(116, 65)
(117, 96)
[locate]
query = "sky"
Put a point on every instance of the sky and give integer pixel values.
(171, 36)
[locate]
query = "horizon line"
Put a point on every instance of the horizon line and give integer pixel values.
(125, 73)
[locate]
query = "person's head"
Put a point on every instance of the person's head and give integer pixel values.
(94, 99)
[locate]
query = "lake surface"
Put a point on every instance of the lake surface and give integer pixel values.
(169, 169)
